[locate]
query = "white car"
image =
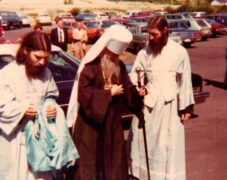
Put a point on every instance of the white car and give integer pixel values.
(44, 19)
(67, 18)
(26, 21)
(130, 13)
(198, 14)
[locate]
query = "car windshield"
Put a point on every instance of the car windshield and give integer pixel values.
(222, 19)
(4, 14)
(60, 69)
(66, 15)
(186, 15)
(188, 23)
(92, 24)
(144, 29)
(201, 23)
(210, 21)
(43, 15)
(106, 24)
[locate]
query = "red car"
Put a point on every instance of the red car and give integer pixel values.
(1, 30)
(219, 18)
(120, 20)
(216, 28)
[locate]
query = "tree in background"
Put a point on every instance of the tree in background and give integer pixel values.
(68, 1)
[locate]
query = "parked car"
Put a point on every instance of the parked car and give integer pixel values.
(64, 67)
(139, 19)
(178, 15)
(140, 36)
(92, 33)
(44, 19)
(216, 28)
(85, 17)
(188, 36)
(120, 20)
(1, 30)
(101, 16)
(199, 25)
(110, 14)
(198, 14)
(94, 28)
(67, 18)
(26, 21)
(10, 19)
(220, 18)
(130, 13)
(107, 23)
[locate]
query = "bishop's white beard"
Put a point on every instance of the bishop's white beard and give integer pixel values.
(111, 68)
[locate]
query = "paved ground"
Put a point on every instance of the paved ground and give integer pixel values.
(206, 135)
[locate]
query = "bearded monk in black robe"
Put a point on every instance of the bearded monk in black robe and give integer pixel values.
(104, 88)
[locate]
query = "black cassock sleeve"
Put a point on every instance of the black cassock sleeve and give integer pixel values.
(93, 100)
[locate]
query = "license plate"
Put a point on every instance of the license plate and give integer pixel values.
(187, 40)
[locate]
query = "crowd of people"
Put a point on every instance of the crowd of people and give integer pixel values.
(39, 142)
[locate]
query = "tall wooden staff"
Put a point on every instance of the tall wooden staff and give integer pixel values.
(142, 125)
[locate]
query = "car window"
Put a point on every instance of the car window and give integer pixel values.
(174, 17)
(201, 23)
(173, 25)
(132, 29)
(61, 70)
(186, 15)
(182, 25)
(143, 29)
(222, 19)
(4, 14)
(188, 23)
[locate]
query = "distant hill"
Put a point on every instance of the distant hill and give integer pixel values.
(53, 6)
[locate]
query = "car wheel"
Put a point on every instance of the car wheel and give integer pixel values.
(8, 26)
(20, 25)
(204, 38)
(187, 45)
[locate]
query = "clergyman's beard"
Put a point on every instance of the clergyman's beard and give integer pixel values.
(34, 71)
(155, 46)
(111, 69)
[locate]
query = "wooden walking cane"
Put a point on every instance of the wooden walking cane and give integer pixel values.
(142, 124)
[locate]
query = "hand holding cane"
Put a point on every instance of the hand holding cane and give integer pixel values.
(142, 124)
(141, 120)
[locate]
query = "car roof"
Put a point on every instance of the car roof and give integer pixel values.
(9, 49)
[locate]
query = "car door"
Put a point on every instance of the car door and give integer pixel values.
(64, 74)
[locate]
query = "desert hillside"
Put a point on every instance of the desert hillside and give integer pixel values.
(52, 6)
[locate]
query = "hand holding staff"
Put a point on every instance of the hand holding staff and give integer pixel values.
(142, 122)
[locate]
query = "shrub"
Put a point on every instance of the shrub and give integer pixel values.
(74, 11)
(204, 6)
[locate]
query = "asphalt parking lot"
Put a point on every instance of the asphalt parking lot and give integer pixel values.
(206, 135)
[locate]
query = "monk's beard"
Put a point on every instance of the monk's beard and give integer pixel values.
(155, 46)
(111, 69)
(34, 71)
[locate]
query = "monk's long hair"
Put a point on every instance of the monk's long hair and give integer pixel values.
(33, 41)
(159, 22)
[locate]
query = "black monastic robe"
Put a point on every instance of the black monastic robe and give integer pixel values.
(98, 131)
